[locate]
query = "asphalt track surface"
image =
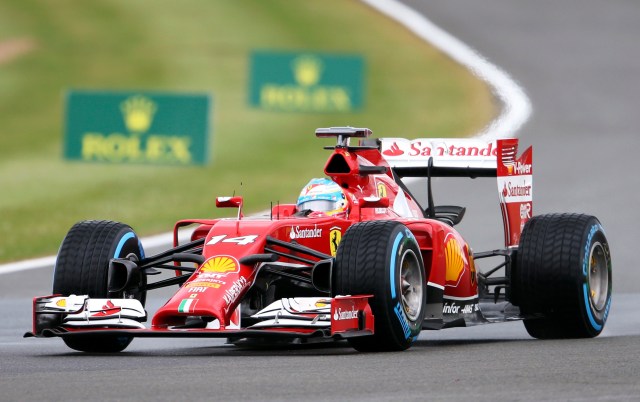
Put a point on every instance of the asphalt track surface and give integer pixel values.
(577, 62)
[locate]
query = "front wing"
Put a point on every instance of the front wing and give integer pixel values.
(77, 316)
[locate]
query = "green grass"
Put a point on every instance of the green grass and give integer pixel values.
(198, 46)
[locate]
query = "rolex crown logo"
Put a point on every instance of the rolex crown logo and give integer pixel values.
(307, 70)
(138, 113)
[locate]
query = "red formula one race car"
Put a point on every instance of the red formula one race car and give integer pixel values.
(356, 258)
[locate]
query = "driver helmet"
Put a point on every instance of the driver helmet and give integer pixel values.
(323, 195)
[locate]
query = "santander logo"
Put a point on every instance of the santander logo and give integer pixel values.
(394, 150)
(108, 309)
(345, 315)
(516, 190)
(450, 148)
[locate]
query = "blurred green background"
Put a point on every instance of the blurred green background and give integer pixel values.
(412, 91)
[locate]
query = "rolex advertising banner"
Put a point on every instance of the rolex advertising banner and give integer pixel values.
(137, 127)
(306, 82)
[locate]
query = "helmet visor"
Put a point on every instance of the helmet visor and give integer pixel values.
(318, 205)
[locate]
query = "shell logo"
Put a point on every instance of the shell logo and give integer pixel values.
(323, 303)
(221, 264)
(455, 260)
(61, 303)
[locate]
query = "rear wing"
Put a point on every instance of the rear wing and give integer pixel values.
(466, 157)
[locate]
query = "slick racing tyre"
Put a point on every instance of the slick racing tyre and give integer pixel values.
(82, 268)
(562, 276)
(382, 258)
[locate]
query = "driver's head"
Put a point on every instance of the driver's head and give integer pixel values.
(323, 195)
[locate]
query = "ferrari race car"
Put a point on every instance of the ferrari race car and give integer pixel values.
(374, 268)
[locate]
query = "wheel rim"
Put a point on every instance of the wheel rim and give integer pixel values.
(411, 285)
(598, 276)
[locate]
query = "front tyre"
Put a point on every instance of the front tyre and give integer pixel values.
(562, 278)
(383, 258)
(82, 268)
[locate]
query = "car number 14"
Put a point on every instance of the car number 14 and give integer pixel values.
(241, 241)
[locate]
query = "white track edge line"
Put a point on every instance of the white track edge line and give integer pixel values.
(516, 105)
(516, 110)
(147, 243)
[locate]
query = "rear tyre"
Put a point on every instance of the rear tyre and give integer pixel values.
(82, 268)
(562, 277)
(383, 258)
